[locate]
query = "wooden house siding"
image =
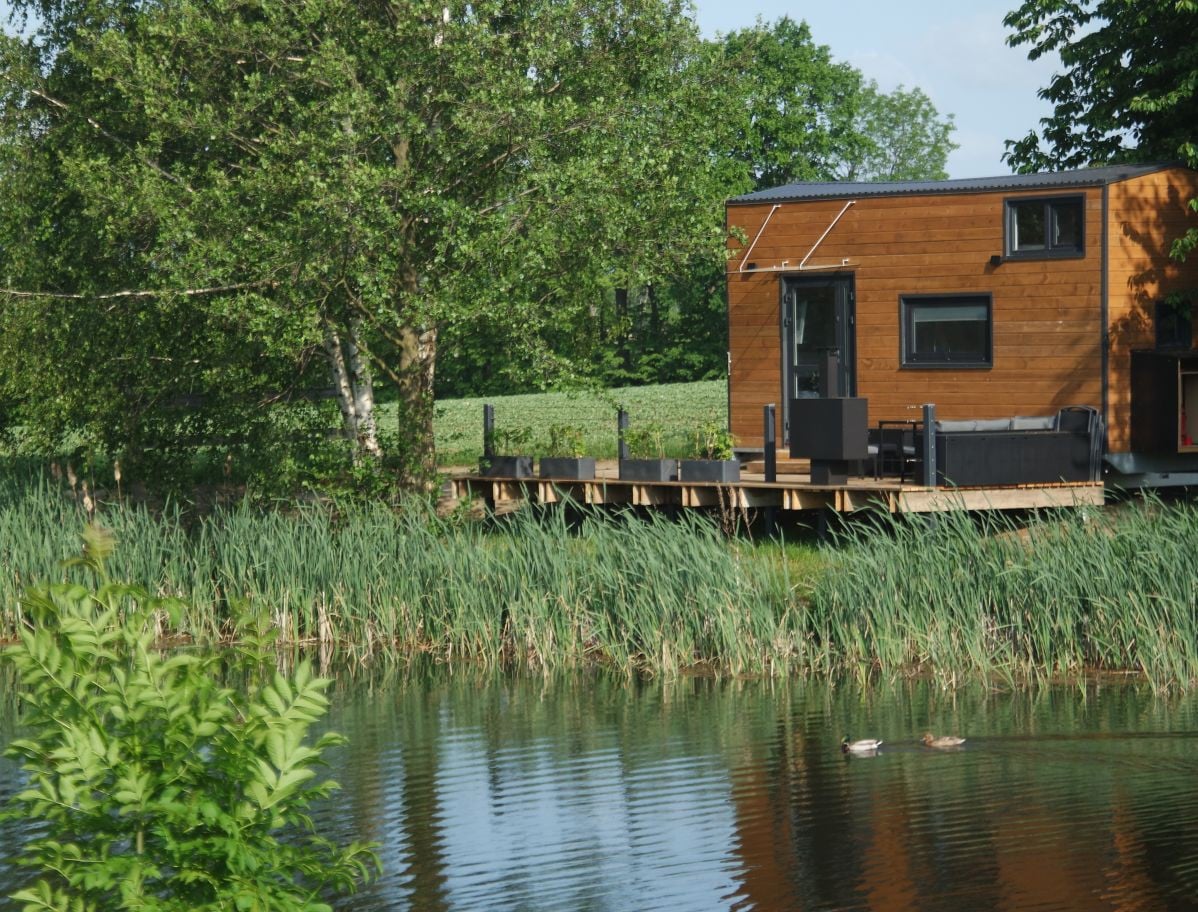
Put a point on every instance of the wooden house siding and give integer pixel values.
(1145, 215)
(1047, 326)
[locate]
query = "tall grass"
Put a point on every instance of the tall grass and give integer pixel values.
(980, 594)
(954, 595)
(642, 594)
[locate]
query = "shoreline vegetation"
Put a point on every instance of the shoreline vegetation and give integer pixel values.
(956, 596)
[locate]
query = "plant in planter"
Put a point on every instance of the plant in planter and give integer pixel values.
(647, 456)
(508, 449)
(563, 454)
(711, 446)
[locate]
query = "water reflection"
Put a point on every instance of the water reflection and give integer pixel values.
(591, 793)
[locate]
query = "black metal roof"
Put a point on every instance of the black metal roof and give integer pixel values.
(1050, 180)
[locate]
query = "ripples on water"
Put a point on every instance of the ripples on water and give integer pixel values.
(590, 794)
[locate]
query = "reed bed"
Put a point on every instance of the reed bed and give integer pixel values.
(1065, 594)
(548, 590)
(955, 595)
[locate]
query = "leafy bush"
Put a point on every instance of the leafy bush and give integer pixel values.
(646, 441)
(564, 441)
(161, 789)
(511, 441)
(712, 441)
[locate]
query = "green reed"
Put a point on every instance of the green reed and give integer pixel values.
(634, 594)
(960, 596)
(985, 595)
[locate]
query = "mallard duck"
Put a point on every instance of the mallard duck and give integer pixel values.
(931, 740)
(864, 746)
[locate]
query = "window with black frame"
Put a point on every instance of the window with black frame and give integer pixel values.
(1173, 324)
(1045, 227)
(946, 330)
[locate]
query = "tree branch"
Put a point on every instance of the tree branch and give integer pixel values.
(148, 293)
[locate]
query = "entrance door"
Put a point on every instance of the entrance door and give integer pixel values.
(817, 318)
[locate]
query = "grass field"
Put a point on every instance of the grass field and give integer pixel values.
(678, 408)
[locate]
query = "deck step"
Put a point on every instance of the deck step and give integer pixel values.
(786, 466)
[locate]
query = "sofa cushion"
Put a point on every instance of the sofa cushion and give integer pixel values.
(974, 424)
(1033, 423)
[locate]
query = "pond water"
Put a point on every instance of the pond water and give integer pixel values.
(586, 793)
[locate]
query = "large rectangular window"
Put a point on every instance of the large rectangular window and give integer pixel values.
(1045, 227)
(946, 330)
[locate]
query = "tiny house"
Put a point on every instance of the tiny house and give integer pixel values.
(989, 297)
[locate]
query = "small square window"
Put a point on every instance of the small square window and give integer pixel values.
(1052, 227)
(1173, 325)
(946, 330)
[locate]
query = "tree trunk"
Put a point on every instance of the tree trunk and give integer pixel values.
(362, 386)
(354, 389)
(417, 362)
(622, 322)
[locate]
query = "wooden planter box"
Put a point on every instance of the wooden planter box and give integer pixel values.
(506, 467)
(648, 470)
(719, 470)
(571, 467)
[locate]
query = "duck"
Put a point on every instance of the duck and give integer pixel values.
(864, 746)
(931, 740)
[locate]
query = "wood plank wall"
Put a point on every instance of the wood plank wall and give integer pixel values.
(1047, 332)
(1145, 215)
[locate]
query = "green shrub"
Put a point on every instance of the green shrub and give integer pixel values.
(647, 441)
(564, 441)
(160, 788)
(712, 441)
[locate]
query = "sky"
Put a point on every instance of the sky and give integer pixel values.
(955, 50)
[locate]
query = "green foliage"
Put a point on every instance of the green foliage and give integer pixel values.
(808, 116)
(646, 441)
(1128, 89)
(335, 177)
(712, 441)
(800, 104)
(514, 440)
(677, 407)
(564, 440)
(161, 789)
(904, 137)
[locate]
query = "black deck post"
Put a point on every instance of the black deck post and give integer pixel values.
(621, 427)
(771, 460)
(771, 444)
(929, 445)
(488, 431)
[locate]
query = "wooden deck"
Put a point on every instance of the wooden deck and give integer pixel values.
(789, 492)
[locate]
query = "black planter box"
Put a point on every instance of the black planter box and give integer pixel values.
(573, 467)
(506, 466)
(648, 470)
(721, 470)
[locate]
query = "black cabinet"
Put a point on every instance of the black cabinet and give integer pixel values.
(829, 428)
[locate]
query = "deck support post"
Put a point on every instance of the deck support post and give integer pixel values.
(928, 453)
(488, 430)
(771, 460)
(621, 427)
(771, 444)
